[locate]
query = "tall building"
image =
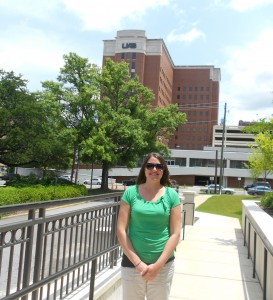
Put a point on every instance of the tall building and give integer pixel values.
(194, 88)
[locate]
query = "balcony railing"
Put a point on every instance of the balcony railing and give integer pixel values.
(50, 254)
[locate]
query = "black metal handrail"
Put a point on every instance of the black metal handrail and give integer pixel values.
(51, 255)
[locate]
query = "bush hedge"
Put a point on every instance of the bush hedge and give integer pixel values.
(267, 200)
(15, 195)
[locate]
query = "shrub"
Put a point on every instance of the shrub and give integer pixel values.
(12, 195)
(32, 180)
(267, 200)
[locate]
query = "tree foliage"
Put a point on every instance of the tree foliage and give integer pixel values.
(128, 127)
(27, 136)
(88, 115)
(76, 92)
(261, 161)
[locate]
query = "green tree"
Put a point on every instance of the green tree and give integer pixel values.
(26, 134)
(77, 92)
(261, 161)
(127, 125)
(261, 126)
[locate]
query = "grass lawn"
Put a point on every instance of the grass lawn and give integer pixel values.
(225, 205)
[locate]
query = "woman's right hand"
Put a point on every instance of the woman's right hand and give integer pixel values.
(142, 268)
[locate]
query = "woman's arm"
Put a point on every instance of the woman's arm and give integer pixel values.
(128, 249)
(175, 231)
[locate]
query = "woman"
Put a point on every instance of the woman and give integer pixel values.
(148, 230)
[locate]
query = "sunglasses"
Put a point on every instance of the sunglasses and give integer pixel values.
(150, 166)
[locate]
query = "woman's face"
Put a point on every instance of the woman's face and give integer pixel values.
(153, 170)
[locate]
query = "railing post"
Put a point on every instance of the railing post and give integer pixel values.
(265, 274)
(114, 254)
(245, 232)
(248, 242)
(28, 253)
(254, 254)
(38, 253)
(184, 221)
(92, 279)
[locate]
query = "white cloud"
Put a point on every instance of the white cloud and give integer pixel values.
(32, 49)
(242, 5)
(33, 54)
(103, 15)
(39, 9)
(187, 37)
(250, 87)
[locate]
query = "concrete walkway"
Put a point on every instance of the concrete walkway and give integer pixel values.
(212, 263)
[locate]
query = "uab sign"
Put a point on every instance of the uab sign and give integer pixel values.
(128, 45)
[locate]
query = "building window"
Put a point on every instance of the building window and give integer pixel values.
(207, 97)
(134, 55)
(128, 55)
(190, 96)
(201, 97)
(190, 88)
(178, 88)
(184, 96)
(122, 55)
(170, 162)
(178, 97)
(133, 65)
(196, 88)
(133, 74)
(237, 164)
(207, 88)
(184, 88)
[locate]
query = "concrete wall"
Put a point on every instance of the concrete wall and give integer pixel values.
(257, 223)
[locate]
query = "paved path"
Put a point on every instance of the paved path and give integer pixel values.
(211, 263)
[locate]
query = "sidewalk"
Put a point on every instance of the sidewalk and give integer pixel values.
(212, 263)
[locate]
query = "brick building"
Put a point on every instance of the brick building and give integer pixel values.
(194, 88)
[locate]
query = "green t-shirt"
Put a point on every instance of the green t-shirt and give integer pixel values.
(149, 226)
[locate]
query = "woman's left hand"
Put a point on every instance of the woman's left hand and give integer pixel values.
(151, 272)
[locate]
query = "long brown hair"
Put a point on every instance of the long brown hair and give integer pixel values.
(165, 180)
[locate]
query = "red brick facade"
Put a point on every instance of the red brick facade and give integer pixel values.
(194, 88)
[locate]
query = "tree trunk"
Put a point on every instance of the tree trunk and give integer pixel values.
(104, 177)
(73, 164)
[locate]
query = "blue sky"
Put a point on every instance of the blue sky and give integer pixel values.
(233, 35)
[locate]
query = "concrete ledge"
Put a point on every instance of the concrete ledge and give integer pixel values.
(257, 227)
(261, 221)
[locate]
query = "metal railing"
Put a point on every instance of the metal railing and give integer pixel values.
(49, 255)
